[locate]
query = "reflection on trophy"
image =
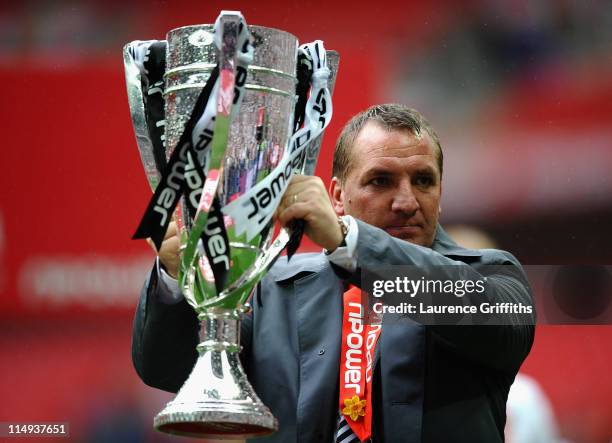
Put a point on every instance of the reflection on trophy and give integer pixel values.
(224, 115)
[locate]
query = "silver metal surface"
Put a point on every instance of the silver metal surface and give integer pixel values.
(270, 87)
(217, 400)
(139, 120)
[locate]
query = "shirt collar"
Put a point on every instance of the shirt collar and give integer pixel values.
(446, 246)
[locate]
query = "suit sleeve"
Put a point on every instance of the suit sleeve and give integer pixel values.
(164, 338)
(503, 347)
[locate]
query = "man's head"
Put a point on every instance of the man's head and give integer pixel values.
(387, 172)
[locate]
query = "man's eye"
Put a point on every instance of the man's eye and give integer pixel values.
(423, 181)
(379, 181)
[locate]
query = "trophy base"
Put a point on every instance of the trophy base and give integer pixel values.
(217, 424)
(217, 401)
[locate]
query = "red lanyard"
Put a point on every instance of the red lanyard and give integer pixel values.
(356, 364)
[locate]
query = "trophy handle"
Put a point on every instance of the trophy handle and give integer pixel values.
(133, 82)
(312, 153)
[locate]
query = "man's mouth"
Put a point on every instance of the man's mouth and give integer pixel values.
(405, 231)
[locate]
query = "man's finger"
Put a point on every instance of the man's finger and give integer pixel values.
(171, 231)
(171, 247)
(299, 178)
(293, 212)
(297, 194)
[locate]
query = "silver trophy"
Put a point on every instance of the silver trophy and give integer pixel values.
(247, 153)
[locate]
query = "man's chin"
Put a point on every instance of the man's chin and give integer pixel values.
(408, 233)
(412, 234)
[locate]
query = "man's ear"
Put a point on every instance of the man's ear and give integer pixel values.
(336, 195)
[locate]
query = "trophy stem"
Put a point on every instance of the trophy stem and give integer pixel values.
(217, 401)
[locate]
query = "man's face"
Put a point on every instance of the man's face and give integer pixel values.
(393, 183)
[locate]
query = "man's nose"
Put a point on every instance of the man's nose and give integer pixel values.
(405, 200)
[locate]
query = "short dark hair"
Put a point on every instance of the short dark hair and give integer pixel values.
(390, 116)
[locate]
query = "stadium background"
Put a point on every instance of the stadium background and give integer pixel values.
(519, 92)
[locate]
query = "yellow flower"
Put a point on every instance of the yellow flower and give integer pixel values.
(354, 408)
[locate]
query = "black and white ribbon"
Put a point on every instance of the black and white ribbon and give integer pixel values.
(304, 76)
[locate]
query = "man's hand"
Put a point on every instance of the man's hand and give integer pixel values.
(169, 252)
(306, 198)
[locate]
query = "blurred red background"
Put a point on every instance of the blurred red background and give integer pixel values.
(520, 94)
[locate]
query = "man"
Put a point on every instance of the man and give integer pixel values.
(430, 383)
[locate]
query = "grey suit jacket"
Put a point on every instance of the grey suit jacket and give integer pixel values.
(431, 383)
